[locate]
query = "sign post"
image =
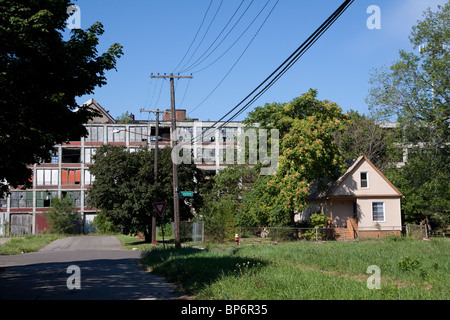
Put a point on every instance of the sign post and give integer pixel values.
(159, 208)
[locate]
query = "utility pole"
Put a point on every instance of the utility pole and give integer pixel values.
(176, 204)
(155, 170)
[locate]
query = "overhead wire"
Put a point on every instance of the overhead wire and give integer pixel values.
(286, 65)
(196, 63)
(195, 37)
(241, 55)
(206, 32)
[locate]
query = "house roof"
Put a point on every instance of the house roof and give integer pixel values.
(332, 186)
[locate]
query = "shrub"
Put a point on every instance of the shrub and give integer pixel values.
(63, 218)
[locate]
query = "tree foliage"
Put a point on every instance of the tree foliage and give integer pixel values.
(41, 75)
(125, 187)
(416, 90)
(363, 135)
(63, 218)
(307, 154)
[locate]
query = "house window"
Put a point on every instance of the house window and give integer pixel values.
(378, 211)
(364, 179)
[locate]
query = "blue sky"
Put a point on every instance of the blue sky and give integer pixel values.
(156, 35)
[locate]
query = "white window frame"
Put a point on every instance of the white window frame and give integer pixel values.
(361, 180)
(384, 211)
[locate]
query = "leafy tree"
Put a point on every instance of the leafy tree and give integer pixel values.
(363, 135)
(63, 218)
(124, 187)
(416, 89)
(124, 118)
(223, 194)
(41, 75)
(307, 154)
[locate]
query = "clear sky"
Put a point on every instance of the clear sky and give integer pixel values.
(156, 36)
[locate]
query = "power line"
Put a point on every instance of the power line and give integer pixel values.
(206, 32)
(286, 65)
(239, 58)
(194, 64)
(195, 37)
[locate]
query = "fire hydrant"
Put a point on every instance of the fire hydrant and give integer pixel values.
(236, 239)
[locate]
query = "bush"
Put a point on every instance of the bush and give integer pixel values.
(63, 218)
(103, 224)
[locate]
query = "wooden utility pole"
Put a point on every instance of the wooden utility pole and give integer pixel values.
(155, 169)
(176, 204)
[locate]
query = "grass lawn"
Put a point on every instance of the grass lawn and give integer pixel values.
(306, 270)
(27, 244)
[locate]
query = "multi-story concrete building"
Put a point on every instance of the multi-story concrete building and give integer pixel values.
(67, 173)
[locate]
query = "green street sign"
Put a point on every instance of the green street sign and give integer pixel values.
(187, 193)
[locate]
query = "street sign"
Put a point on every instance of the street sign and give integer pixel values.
(159, 207)
(187, 193)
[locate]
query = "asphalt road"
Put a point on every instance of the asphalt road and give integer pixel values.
(96, 264)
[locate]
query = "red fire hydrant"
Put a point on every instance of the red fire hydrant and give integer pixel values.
(236, 239)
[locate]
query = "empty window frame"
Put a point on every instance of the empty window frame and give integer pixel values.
(208, 135)
(44, 198)
(185, 134)
(139, 134)
(116, 134)
(70, 176)
(364, 179)
(75, 196)
(95, 134)
(71, 155)
(47, 177)
(378, 212)
(228, 134)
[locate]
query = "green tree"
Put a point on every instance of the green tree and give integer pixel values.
(307, 154)
(415, 89)
(63, 218)
(363, 135)
(41, 76)
(124, 187)
(223, 205)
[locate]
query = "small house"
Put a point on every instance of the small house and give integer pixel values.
(361, 203)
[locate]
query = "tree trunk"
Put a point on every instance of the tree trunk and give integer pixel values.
(148, 234)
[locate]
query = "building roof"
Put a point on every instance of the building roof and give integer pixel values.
(332, 186)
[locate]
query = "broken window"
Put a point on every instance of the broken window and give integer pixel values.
(21, 199)
(44, 198)
(71, 155)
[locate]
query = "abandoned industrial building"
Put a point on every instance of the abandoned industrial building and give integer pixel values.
(67, 173)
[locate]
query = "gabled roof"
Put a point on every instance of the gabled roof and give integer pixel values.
(333, 186)
(105, 116)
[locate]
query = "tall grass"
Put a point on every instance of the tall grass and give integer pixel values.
(307, 270)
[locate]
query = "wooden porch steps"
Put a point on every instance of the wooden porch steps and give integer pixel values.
(339, 234)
